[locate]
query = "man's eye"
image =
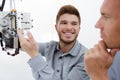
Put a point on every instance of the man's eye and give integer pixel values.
(106, 17)
(74, 23)
(63, 23)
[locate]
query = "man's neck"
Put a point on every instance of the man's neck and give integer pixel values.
(66, 47)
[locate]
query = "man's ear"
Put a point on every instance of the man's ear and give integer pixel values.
(56, 26)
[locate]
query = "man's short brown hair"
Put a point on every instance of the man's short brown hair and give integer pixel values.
(70, 10)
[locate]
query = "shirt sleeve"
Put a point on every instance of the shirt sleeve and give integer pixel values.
(40, 68)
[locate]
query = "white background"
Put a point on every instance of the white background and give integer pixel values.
(43, 13)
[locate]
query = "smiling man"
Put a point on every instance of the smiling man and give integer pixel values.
(64, 59)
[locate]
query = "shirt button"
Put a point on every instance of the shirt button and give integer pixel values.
(58, 70)
(60, 57)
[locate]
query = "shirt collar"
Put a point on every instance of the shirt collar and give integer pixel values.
(73, 51)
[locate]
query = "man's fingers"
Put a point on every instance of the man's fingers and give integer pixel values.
(102, 46)
(30, 36)
(20, 35)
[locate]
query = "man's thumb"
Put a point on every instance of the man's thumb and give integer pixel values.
(113, 52)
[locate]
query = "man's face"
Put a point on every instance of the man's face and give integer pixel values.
(109, 23)
(68, 28)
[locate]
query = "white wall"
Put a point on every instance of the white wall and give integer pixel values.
(43, 12)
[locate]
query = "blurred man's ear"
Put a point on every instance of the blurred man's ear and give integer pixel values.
(56, 26)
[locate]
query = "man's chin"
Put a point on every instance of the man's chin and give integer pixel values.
(68, 41)
(107, 45)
